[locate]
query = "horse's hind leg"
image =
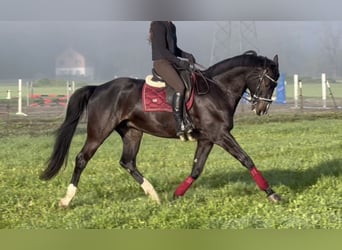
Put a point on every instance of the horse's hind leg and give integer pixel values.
(131, 142)
(82, 159)
(95, 137)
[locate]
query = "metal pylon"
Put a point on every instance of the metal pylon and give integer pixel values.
(232, 38)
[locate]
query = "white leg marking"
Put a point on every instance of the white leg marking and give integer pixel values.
(71, 191)
(149, 190)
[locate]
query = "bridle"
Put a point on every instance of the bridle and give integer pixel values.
(255, 98)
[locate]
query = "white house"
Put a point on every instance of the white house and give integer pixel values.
(72, 63)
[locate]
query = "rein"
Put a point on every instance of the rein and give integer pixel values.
(251, 99)
(205, 79)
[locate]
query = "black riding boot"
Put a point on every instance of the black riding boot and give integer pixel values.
(177, 108)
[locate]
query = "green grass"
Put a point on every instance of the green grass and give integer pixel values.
(299, 154)
(315, 90)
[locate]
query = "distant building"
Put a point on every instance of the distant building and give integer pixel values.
(73, 64)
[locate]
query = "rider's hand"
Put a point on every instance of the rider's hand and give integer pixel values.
(183, 64)
(191, 59)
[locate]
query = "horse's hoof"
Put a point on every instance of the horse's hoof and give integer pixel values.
(63, 203)
(176, 197)
(275, 198)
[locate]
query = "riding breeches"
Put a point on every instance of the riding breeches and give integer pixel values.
(165, 69)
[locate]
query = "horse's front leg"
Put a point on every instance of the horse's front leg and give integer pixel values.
(131, 139)
(202, 151)
(229, 143)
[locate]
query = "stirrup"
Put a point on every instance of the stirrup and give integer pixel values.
(190, 137)
(184, 133)
(181, 133)
(182, 136)
(185, 136)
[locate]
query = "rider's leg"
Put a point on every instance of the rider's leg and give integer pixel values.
(165, 69)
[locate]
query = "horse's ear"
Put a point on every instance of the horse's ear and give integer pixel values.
(275, 59)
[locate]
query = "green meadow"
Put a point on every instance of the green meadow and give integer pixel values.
(298, 153)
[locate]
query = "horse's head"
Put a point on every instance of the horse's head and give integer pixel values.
(261, 83)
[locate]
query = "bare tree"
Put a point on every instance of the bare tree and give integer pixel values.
(332, 45)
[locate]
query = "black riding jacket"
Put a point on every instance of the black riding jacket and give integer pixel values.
(164, 42)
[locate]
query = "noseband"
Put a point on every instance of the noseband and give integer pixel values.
(255, 98)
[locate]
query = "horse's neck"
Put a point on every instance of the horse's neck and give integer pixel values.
(232, 82)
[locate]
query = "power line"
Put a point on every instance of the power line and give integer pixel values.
(232, 38)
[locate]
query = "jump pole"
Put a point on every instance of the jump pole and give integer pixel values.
(295, 88)
(324, 90)
(20, 99)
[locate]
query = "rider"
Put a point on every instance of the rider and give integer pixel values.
(166, 58)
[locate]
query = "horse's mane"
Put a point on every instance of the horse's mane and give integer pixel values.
(249, 58)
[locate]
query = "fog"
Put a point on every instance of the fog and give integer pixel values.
(28, 49)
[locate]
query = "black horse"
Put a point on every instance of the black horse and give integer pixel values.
(117, 105)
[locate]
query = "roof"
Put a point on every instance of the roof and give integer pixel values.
(70, 59)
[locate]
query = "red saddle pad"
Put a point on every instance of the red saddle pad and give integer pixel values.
(154, 99)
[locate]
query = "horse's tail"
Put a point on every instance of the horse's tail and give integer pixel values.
(76, 106)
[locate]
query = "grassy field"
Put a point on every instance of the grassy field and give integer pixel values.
(315, 90)
(299, 154)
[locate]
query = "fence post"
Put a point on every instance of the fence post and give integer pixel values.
(72, 87)
(324, 91)
(68, 90)
(301, 95)
(331, 94)
(27, 95)
(295, 87)
(20, 99)
(8, 94)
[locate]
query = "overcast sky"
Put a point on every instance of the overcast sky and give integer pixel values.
(33, 33)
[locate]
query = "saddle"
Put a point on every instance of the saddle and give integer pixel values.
(156, 80)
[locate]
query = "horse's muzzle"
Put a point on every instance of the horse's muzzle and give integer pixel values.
(261, 107)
